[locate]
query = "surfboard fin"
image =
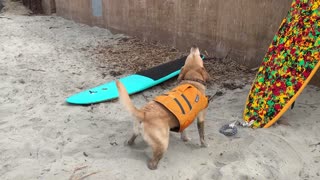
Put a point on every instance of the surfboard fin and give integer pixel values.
(292, 105)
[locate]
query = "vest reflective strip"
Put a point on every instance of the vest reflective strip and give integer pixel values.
(187, 101)
(179, 104)
(182, 110)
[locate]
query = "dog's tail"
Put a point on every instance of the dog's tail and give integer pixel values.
(127, 103)
(195, 51)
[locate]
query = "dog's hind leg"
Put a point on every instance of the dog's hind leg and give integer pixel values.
(131, 140)
(184, 137)
(158, 151)
(159, 143)
(200, 125)
(135, 134)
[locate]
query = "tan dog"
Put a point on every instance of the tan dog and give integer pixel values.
(154, 120)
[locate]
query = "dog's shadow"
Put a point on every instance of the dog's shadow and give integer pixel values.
(140, 150)
(174, 142)
(138, 145)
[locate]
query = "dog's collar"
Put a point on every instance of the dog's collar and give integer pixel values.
(196, 80)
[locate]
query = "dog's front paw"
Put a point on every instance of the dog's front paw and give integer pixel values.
(152, 165)
(204, 145)
(185, 138)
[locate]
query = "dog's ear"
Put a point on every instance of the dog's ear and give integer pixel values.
(182, 73)
(205, 75)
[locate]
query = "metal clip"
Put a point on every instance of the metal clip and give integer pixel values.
(232, 125)
(246, 124)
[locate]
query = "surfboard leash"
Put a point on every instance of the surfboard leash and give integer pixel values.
(231, 129)
(228, 129)
(210, 97)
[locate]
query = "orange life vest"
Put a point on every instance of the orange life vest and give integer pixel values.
(185, 102)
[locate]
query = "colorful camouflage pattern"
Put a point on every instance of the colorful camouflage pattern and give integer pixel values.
(291, 58)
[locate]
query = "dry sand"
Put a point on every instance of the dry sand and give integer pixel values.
(44, 59)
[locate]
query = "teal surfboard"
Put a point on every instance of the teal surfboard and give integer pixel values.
(134, 83)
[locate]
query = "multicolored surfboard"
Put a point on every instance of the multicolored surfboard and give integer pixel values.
(134, 83)
(291, 61)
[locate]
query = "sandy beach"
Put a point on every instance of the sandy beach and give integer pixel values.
(45, 59)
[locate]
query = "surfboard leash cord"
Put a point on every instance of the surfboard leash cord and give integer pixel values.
(231, 129)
